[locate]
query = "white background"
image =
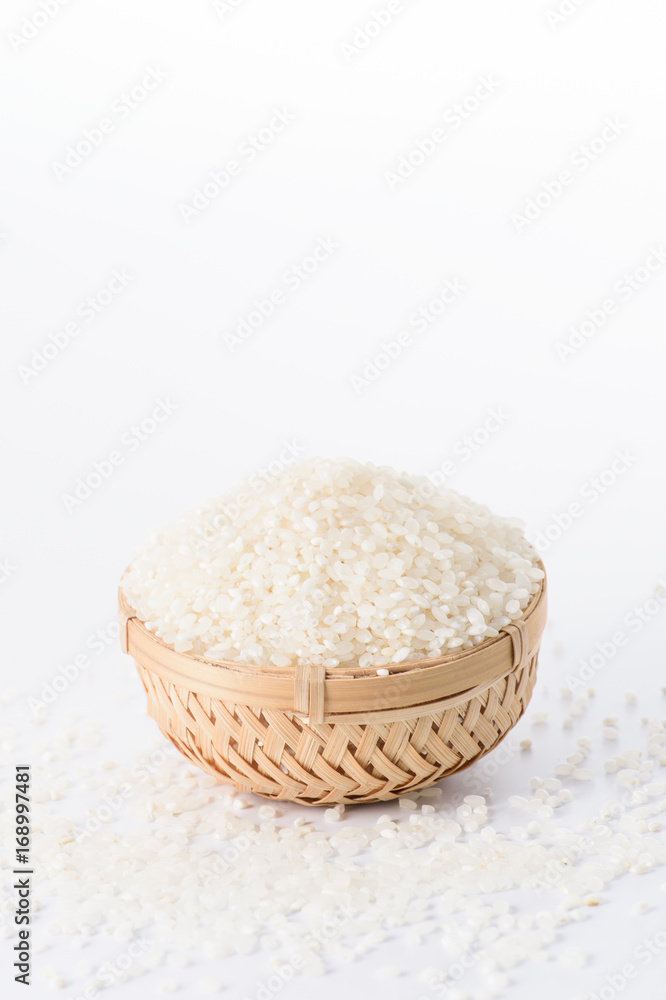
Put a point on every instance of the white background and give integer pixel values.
(355, 113)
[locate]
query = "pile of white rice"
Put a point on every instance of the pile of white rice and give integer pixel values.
(333, 562)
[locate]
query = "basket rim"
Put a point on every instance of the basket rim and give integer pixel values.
(353, 695)
(349, 671)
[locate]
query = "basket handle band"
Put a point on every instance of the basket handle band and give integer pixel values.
(309, 692)
(521, 642)
(125, 615)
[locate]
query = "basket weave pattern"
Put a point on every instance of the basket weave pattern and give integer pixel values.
(283, 757)
(346, 735)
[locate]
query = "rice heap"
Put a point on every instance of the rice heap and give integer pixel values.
(333, 561)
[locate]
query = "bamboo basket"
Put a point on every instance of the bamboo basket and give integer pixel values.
(321, 736)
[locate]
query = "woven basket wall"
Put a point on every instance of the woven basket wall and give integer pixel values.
(321, 736)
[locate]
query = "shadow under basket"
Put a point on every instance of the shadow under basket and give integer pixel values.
(320, 736)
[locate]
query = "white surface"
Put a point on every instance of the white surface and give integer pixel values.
(323, 177)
